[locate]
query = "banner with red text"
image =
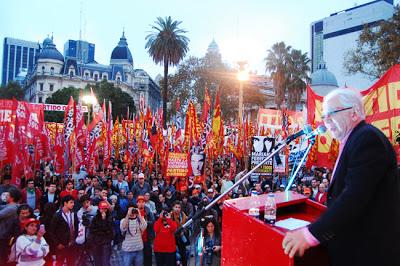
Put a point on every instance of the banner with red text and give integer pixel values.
(177, 164)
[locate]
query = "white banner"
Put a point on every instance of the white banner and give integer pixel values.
(61, 107)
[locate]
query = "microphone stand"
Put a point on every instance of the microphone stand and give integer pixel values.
(312, 141)
(211, 204)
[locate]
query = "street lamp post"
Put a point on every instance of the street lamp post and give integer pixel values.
(242, 76)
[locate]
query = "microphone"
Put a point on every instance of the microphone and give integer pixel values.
(318, 131)
(307, 129)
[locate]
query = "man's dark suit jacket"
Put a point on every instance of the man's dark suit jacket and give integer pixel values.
(362, 223)
(45, 199)
(59, 230)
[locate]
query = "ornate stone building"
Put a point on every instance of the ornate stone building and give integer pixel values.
(52, 71)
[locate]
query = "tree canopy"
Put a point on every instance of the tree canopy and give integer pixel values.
(195, 74)
(12, 90)
(103, 90)
(167, 45)
(377, 49)
(289, 70)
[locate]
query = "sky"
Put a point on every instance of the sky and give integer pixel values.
(244, 30)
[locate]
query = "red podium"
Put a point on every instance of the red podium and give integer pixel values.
(250, 242)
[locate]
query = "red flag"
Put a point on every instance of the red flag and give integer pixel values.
(80, 136)
(94, 133)
(206, 106)
(59, 149)
(69, 127)
(107, 143)
(217, 126)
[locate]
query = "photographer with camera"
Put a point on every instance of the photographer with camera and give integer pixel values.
(212, 244)
(148, 234)
(132, 228)
(87, 212)
(85, 216)
(164, 242)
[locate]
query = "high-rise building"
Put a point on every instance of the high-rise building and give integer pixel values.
(18, 56)
(82, 51)
(334, 36)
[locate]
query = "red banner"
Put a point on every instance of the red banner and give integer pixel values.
(272, 119)
(382, 109)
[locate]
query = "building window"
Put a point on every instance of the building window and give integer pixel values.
(104, 77)
(43, 70)
(96, 77)
(118, 80)
(86, 75)
(41, 86)
(71, 74)
(52, 71)
(51, 87)
(40, 100)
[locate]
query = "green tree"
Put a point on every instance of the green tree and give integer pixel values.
(277, 62)
(289, 70)
(12, 90)
(104, 91)
(167, 46)
(120, 100)
(60, 97)
(378, 49)
(194, 74)
(298, 77)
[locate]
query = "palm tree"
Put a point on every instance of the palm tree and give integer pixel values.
(298, 68)
(277, 64)
(167, 45)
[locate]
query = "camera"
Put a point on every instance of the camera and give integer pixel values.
(209, 252)
(86, 219)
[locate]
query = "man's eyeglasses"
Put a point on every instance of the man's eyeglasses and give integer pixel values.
(329, 114)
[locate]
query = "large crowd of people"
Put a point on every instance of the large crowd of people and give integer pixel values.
(122, 216)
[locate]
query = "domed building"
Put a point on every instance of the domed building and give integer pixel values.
(322, 80)
(213, 47)
(121, 55)
(53, 71)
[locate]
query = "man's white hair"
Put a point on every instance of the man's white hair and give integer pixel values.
(348, 97)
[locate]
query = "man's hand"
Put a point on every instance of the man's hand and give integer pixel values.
(295, 243)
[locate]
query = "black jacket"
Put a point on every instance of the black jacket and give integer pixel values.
(362, 223)
(45, 199)
(101, 231)
(59, 230)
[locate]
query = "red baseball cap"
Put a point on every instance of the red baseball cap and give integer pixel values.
(104, 205)
(28, 221)
(140, 198)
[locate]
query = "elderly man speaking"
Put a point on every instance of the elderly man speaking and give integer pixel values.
(361, 225)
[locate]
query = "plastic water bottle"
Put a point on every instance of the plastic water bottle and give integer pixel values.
(255, 202)
(270, 210)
